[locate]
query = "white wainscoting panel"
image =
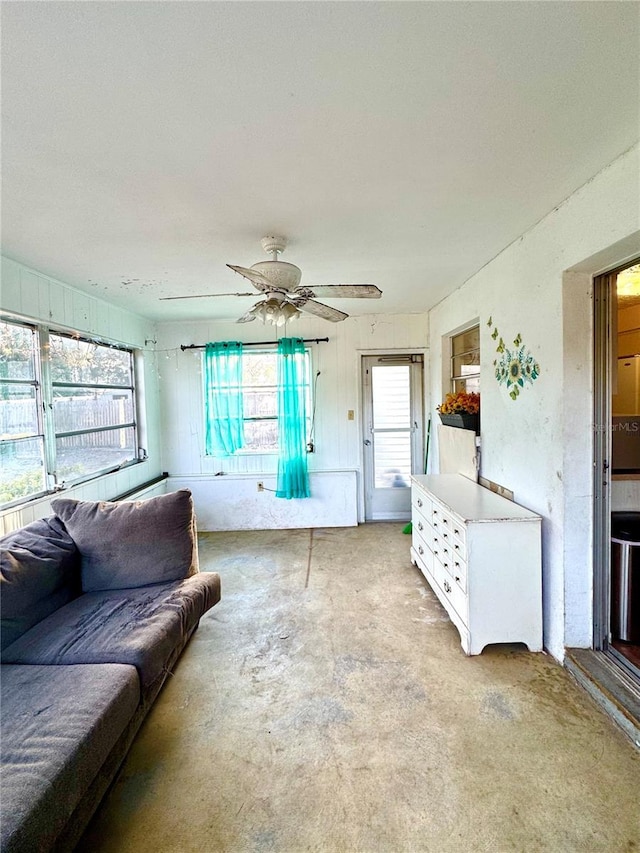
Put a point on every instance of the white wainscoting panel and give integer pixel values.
(233, 502)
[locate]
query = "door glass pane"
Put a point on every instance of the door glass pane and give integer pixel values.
(21, 469)
(79, 455)
(392, 459)
(391, 397)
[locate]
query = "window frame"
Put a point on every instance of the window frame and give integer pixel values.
(36, 382)
(250, 451)
(453, 376)
(45, 397)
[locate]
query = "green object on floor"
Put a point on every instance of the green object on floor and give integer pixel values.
(408, 528)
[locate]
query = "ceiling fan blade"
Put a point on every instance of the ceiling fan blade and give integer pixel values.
(259, 281)
(203, 296)
(355, 291)
(320, 310)
(247, 317)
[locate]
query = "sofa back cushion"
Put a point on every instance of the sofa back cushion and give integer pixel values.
(39, 572)
(128, 544)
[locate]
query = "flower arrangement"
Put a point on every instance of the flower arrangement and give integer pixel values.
(460, 403)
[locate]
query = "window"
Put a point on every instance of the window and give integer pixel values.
(260, 400)
(465, 361)
(22, 468)
(93, 406)
(67, 410)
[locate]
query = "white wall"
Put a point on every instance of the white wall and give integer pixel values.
(540, 445)
(39, 298)
(336, 464)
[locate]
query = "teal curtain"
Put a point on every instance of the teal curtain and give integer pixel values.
(293, 476)
(224, 424)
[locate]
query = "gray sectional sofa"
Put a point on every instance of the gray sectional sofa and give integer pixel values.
(97, 603)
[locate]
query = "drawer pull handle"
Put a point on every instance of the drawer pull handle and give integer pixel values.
(420, 550)
(435, 525)
(457, 547)
(420, 525)
(419, 502)
(445, 535)
(457, 564)
(457, 579)
(447, 587)
(456, 531)
(435, 512)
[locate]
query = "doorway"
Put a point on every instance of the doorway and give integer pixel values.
(617, 466)
(392, 433)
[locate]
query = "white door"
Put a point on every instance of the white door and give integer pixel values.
(393, 434)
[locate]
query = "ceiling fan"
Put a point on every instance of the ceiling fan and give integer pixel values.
(284, 297)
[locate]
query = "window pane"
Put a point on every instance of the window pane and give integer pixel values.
(261, 436)
(18, 410)
(467, 363)
(21, 469)
(471, 384)
(392, 460)
(17, 344)
(259, 368)
(466, 341)
(82, 362)
(86, 409)
(260, 403)
(391, 397)
(80, 455)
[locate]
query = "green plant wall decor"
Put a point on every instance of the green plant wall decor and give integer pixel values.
(516, 367)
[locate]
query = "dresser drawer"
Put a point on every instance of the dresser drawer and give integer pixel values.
(459, 572)
(421, 504)
(453, 563)
(422, 526)
(420, 547)
(448, 523)
(451, 591)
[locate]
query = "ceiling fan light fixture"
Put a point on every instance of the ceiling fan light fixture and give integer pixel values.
(275, 311)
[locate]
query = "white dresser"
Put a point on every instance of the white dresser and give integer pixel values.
(481, 555)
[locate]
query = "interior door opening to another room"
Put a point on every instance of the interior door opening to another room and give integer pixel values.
(617, 467)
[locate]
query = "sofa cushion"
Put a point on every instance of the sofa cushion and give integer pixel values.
(132, 543)
(39, 572)
(58, 726)
(141, 627)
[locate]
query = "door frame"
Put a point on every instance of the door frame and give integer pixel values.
(602, 354)
(391, 355)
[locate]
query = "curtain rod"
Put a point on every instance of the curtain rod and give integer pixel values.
(183, 347)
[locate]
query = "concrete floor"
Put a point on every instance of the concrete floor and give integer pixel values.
(326, 705)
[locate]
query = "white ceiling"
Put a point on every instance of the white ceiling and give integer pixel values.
(404, 144)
